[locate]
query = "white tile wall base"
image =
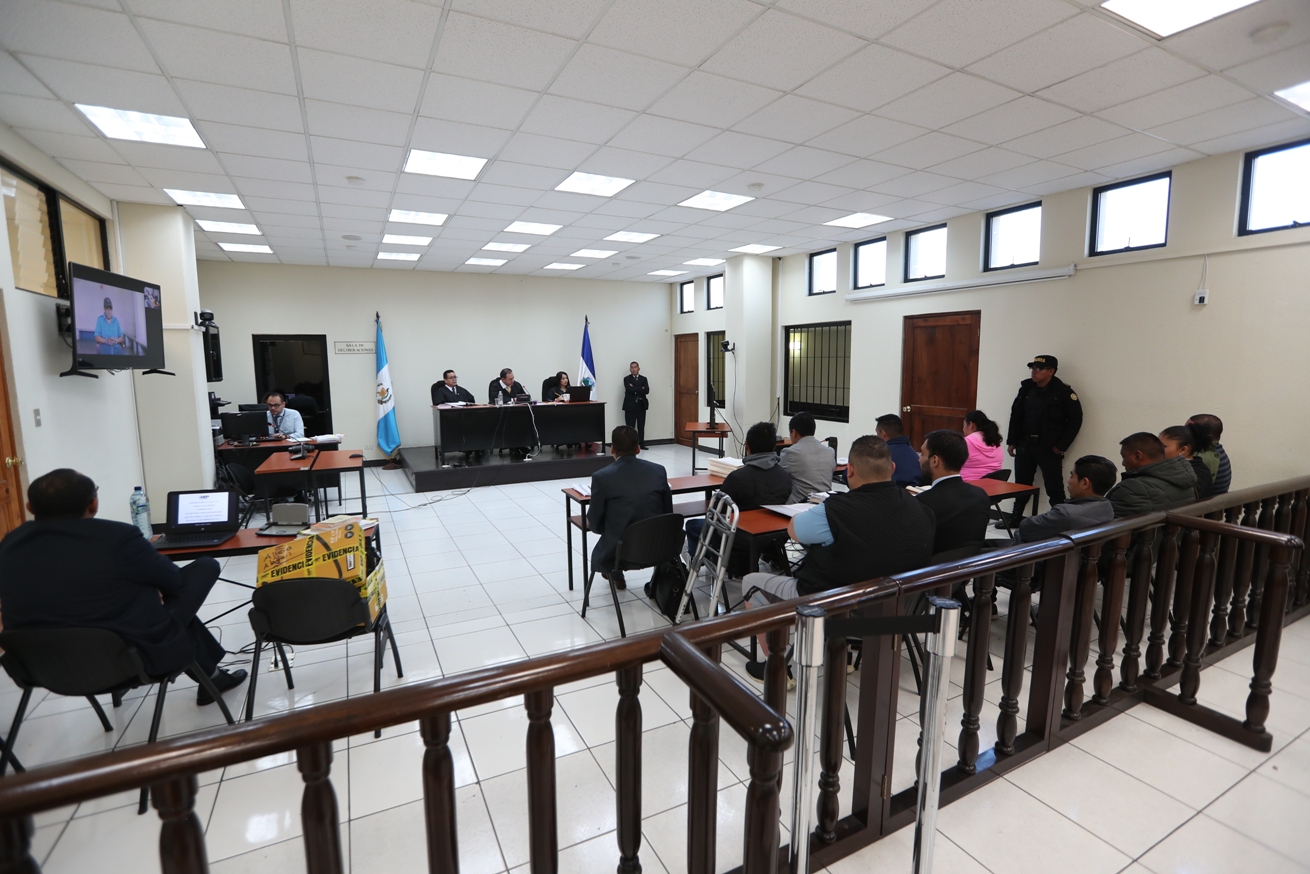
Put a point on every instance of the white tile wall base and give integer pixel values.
(1145, 793)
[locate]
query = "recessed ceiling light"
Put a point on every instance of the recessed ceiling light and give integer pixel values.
(486, 262)
(560, 265)
(755, 249)
(123, 124)
(1298, 95)
(253, 248)
(355, 180)
(715, 200)
(410, 217)
(204, 198)
(539, 228)
(227, 227)
(506, 247)
(589, 183)
(666, 273)
(594, 253)
(397, 256)
(1167, 17)
(351, 237)
(442, 164)
(858, 220)
(703, 262)
(1269, 32)
(631, 237)
(402, 240)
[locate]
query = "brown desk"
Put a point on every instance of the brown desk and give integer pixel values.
(342, 461)
(248, 541)
(718, 431)
(484, 427)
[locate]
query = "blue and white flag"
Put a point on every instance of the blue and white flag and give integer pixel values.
(587, 369)
(388, 433)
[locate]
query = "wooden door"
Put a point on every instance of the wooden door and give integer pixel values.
(686, 385)
(939, 371)
(11, 481)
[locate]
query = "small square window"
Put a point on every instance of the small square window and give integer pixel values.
(871, 263)
(823, 272)
(1133, 215)
(1276, 189)
(687, 297)
(714, 292)
(925, 254)
(1014, 237)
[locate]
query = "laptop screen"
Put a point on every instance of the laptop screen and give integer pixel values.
(202, 511)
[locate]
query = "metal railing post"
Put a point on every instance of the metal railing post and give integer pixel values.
(940, 645)
(808, 656)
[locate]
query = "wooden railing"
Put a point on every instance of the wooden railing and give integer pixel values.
(1206, 580)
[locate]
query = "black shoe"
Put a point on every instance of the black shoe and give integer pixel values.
(756, 671)
(615, 577)
(222, 681)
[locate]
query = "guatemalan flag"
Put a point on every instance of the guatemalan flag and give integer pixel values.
(388, 433)
(587, 369)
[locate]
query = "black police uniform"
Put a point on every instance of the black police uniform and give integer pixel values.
(1043, 419)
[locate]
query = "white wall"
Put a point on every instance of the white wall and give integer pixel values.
(473, 323)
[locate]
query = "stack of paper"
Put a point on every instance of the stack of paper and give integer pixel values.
(583, 489)
(723, 466)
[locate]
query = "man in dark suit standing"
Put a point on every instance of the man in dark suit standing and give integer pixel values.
(626, 491)
(449, 391)
(68, 569)
(962, 510)
(505, 387)
(635, 402)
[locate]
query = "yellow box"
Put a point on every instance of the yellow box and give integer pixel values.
(337, 553)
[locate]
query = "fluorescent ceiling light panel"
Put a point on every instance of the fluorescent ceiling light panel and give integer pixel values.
(539, 228)
(589, 183)
(410, 217)
(715, 200)
(402, 240)
(704, 262)
(442, 164)
(631, 237)
(1298, 95)
(755, 249)
(560, 265)
(594, 253)
(858, 220)
(486, 262)
(227, 227)
(123, 124)
(252, 248)
(506, 247)
(397, 256)
(204, 198)
(666, 273)
(1167, 17)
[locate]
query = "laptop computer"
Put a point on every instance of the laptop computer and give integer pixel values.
(579, 393)
(200, 518)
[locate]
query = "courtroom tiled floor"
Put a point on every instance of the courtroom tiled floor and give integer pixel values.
(481, 579)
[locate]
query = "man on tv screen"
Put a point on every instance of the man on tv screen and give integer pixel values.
(109, 333)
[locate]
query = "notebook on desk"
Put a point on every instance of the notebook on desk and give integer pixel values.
(200, 518)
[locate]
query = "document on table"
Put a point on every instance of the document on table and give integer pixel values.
(582, 489)
(788, 510)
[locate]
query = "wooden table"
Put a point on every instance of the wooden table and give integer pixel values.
(1000, 490)
(282, 464)
(482, 427)
(697, 430)
(341, 461)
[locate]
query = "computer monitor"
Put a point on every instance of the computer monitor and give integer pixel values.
(253, 408)
(243, 426)
(522, 399)
(579, 393)
(118, 323)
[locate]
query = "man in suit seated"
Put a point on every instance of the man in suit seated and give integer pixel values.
(68, 569)
(891, 429)
(449, 391)
(809, 462)
(624, 492)
(962, 510)
(505, 387)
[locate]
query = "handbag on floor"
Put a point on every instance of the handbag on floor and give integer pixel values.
(666, 586)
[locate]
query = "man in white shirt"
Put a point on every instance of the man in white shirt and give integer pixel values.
(281, 418)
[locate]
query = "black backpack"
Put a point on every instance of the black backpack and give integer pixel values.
(666, 586)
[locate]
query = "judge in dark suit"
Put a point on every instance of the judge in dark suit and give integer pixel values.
(626, 491)
(961, 509)
(505, 387)
(448, 391)
(68, 569)
(635, 401)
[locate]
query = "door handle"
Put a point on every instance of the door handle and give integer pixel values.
(905, 409)
(13, 462)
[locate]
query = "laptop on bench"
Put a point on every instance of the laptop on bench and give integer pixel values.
(200, 518)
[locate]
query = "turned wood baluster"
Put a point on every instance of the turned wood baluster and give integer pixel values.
(1160, 592)
(1268, 637)
(1202, 593)
(439, 794)
(1183, 586)
(543, 840)
(1225, 571)
(16, 847)
(627, 760)
(1016, 648)
(1139, 591)
(1080, 646)
(775, 675)
(1300, 567)
(975, 670)
(1261, 571)
(831, 738)
(318, 810)
(181, 839)
(1242, 577)
(1112, 605)
(702, 783)
(760, 852)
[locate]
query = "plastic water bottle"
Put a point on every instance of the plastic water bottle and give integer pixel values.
(141, 512)
(500, 399)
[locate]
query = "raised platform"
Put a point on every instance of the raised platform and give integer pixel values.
(494, 468)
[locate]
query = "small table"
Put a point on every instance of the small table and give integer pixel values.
(697, 430)
(281, 463)
(340, 461)
(999, 490)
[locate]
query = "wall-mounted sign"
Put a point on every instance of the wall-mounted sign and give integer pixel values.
(353, 347)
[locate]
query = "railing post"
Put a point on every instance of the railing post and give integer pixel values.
(1260, 574)
(1016, 647)
(760, 853)
(775, 674)
(1269, 634)
(627, 760)
(703, 783)
(941, 646)
(439, 794)
(318, 810)
(975, 670)
(808, 655)
(1112, 605)
(543, 836)
(1177, 646)
(1202, 592)
(181, 839)
(16, 847)
(830, 741)
(1084, 607)
(1300, 569)
(1160, 592)
(1224, 578)
(1135, 626)
(1242, 581)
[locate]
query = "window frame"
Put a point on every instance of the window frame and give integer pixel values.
(855, 263)
(714, 353)
(1092, 251)
(1244, 204)
(55, 216)
(834, 412)
(709, 301)
(810, 279)
(683, 297)
(905, 269)
(987, 238)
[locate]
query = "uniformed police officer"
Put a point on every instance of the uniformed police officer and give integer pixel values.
(1044, 420)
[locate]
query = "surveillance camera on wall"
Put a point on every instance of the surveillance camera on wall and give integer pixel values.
(726, 346)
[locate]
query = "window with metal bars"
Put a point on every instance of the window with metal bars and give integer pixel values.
(817, 375)
(714, 365)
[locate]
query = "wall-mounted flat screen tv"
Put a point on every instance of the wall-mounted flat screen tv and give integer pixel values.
(117, 321)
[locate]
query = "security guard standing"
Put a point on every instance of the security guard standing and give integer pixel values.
(1044, 420)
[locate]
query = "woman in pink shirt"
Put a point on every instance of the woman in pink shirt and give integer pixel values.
(985, 452)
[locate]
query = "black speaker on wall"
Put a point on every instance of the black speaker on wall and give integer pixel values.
(213, 350)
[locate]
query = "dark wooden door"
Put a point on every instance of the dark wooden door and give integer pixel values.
(686, 385)
(297, 366)
(11, 482)
(939, 371)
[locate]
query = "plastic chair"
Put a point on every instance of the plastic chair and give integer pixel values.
(85, 662)
(712, 553)
(646, 543)
(308, 612)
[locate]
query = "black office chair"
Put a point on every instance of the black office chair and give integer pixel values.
(1003, 475)
(837, 475)
(307, 407)
(308, 612)
(646, 543)
(85, 662)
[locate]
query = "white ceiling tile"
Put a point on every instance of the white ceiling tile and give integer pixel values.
(867, 18)
(948, 100)
(1065, 50)
(615, 78)
(626, 209)
(278, 222)
(1225, 42)
(959, 32)
(1296, 128)
(279, 232)
(1274, 72)
(1081, 131)
(804, 162)
(522, 175)
(795, 119)
(496, 52)
(867, 135)
(94, 171)
(364, 156)
(575, 120)
(393, 31)
(1068, 183)
(267, 168)
(454, 138)
(486, 192)
(1150, 163)
(80, 148)
(981, 163)
(997, 201)
(168, 158)
(1029, 175)
(681, 31)
(358, 82)
(352, 196)
(662, 136)
(432, 190)
(1010, 120)
(657, 193)
(732, 149)
(131, 193)
(872, 77)
(257, 18)
(812, 192)
(565, 200)
(708, 99)
(260, 188)
(263, 205)
(571, 18)
(860, 201)
(929, 149)
(1180, 101)
(1115, 151)
(548, 151)
(694, 174)
(915, 184)
(960, 192)
(241, 106)
(1122, 80)
(105, 86)
(357, 123)
(862, 174)
(74, 33)
(241, 140)
(1248, 115)
(221, 58)
(15, 79)
(186, 180)
(610, 161)
(781, 51)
